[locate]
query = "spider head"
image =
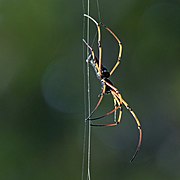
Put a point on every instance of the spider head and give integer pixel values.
(105, 73)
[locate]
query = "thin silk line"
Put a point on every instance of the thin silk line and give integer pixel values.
(87, 95)
(89, 99)
(85, 99)
(98, 9)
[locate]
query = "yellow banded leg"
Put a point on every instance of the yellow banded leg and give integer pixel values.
(99, 102)
(138, 126)
(120, 48)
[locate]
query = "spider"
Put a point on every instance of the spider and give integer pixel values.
(103, 76)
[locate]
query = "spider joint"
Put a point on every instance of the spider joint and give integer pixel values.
(129, 108)
(89, 58)
(101, 94)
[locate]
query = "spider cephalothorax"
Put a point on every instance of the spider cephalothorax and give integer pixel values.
(105, 73)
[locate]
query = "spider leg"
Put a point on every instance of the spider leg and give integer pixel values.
(117, 94)
(99, 102)
(93, 55)
(99, 42)
(117, 105)
(115, 112)
(120, 47)
(117, 102)
(138, 126)
(91, 49)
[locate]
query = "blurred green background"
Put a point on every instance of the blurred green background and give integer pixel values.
(41, 90)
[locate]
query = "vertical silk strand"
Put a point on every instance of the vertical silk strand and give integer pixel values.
(98, 9)
(85, 98)
(89, 99)
(87, 94)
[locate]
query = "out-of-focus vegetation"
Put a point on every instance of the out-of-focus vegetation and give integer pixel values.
(41, 90)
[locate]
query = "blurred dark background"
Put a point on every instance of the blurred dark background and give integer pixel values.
(41, 90)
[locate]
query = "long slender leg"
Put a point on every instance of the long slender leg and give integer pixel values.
(120, 47)
(119, 103)
(92, 53)
(115, 113)
(99, 102)
(117, 106)
(99, 42)
(90, 48)
(107, 114)
(139, 128)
